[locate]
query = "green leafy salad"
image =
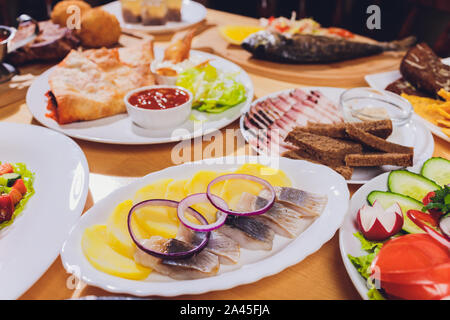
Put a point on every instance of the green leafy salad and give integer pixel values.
(214, 90)
(362, 263)
(16, 188)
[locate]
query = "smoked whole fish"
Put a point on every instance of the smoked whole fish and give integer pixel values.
(305, 48)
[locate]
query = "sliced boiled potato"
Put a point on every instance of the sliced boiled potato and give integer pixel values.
(175, 191)
(275, 177)
(199, 184)
(117, 234)
(104, 258)
(153, 228)
(156, 190)
(156, 213)
(233, 189)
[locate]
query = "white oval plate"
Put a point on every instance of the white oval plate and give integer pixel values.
(348, 243)
(253, 265)
(382, 80)
(32, 242)
(413, 134)
(119, 129)
(191, 13)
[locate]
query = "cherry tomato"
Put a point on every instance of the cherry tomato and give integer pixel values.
(434, 212)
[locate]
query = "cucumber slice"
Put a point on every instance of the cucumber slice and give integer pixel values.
(437, 169)
(387, 199)
(410, 184)
(8, 179)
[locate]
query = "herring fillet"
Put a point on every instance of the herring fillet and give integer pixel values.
(250, 232)
(282, 219)
(222, 246)
(200, 265)
(304, 202)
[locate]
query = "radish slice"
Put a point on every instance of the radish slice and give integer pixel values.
(433, 233)
(172, 204)
(378, 224)
(197, 198)
(219, 206)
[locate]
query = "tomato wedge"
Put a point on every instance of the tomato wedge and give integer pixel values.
(20, 186)
(414, 266)
(6, 168)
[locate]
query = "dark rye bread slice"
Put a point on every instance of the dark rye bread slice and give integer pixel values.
(344, 171)
(375, 142)
(424, 70)
(301, 154)
(322, 148)
(379, 128)
(379, 159)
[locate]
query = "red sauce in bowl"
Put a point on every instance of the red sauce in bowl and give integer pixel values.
(159, 98)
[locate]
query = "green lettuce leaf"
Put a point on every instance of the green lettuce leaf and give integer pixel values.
(362, 263)
(214, 90)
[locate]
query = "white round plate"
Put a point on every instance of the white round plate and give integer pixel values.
(413, 134)
(348, 243)
(191, 13)
(382, 80)
(32, 242)
(253, 265)
(119, 129)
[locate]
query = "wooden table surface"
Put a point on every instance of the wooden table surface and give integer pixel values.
(320, 276)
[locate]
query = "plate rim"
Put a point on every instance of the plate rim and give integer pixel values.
(416, 122)
(251, 278)
(250, 91)
(78, 210)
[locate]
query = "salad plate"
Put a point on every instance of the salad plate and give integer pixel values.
(402, 189)
(191, 13)
(413, 133)
(381, 80)
(36, 235)
(253, 264)
(119, 129)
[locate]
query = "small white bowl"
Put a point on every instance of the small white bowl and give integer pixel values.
(159, 119)
(160, 79)
(166, 80)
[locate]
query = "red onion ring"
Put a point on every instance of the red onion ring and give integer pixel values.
(212, 198)
(433, 233)
(197, 198)
(172, 204)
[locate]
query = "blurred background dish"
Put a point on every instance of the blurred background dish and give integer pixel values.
(157, 16)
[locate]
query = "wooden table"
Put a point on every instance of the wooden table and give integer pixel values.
(320, 276)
